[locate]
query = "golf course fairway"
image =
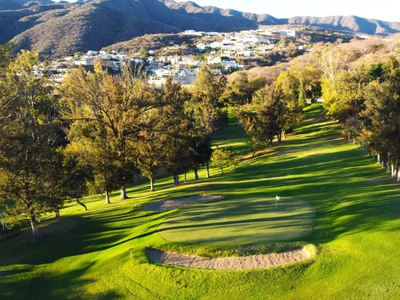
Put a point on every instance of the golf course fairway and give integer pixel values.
(333, 196)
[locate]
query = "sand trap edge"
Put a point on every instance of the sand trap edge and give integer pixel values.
(232, 263)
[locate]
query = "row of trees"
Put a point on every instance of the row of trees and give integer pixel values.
(366, 102)
(276, 107)
(96, 131)
(269, 111)
(364, 99)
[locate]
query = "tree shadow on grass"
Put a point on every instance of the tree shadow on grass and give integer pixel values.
(334, 183)
(92, 232)
(22, 283)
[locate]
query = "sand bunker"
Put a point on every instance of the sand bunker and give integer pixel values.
(229, 263)
(176, 203)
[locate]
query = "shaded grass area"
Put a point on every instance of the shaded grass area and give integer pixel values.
(240, 221)
(356, 228)
(232, 136)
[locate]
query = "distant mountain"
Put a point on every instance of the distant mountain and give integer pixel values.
(60, 28)
(9, 5)
(351, 23)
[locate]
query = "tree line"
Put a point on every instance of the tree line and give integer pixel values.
(96, 132)
(365, 100)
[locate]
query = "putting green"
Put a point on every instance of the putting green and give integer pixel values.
(240, 221)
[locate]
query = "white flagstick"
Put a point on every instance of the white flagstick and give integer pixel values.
(277, 198)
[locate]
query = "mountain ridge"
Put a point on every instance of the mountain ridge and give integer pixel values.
(58, 28)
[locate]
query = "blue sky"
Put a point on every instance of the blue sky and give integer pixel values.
(388, 10)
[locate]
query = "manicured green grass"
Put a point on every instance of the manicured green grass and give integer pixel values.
(240, 221)
(356, 230)
(232, 136)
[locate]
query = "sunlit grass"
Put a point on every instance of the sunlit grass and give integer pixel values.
(244, 221)
(356, 230)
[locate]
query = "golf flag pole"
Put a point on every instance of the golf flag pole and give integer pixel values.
(277, 198)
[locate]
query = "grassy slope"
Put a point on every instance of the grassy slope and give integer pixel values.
(356, 230)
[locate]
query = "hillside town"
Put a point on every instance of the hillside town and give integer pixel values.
(225, 52)
(227, 55)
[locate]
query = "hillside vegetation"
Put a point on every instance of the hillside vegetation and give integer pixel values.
(62, 28)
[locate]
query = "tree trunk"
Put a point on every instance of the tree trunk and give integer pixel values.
(35, 230)
(185, 178)
(176, 179)
(137, 176)
(196, 174)
(208, 169)
(222, 170)
(398, 174)
(123, 193)
(389, 168)
(279, 136)
(393, 169)
(57, 211)
(107, 198)
(152, 184)
(81, 204)
(378, 158)
(383, 164)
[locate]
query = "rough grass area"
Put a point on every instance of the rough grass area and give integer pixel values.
(240, 221)
(356, 229)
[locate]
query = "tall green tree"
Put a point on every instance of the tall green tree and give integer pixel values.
(77, 175)
(223, 158)
(381, 116)
(113, 110)
(30, 136)
(260, 126)
(271, 114)
(150, 154)
(175, 125)
(241, 90)
(143, 53)
(344, 97)
(238, 92)
(207, 109)
(6, 56)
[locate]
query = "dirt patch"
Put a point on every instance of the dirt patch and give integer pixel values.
(176, 203)
(229, 263)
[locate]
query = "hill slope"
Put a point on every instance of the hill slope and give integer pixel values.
(9, 5)
(351, 23)
(60, 28)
